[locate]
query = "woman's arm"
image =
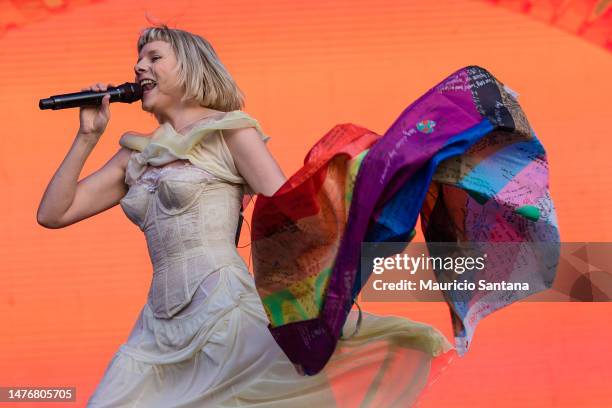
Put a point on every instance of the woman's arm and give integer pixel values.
(254, 161)
(67, 200)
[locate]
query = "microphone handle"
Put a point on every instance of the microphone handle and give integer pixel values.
(128, 93)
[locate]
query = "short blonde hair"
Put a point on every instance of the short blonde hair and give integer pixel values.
(200, 71)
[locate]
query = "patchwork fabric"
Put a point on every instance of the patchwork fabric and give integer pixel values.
(463, 156)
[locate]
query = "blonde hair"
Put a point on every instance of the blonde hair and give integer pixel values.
(200, 71)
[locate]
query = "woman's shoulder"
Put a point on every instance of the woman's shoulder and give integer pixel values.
(121, 157)
(237, 121)
(237, 115)
(134, 140)
(227, 120)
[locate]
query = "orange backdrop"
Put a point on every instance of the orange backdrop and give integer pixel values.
(69, 297)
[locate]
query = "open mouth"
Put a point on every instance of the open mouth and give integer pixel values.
(147, 85)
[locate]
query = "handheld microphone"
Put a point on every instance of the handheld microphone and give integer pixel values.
(127, 93)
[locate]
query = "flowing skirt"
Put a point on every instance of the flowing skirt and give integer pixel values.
(218, 352)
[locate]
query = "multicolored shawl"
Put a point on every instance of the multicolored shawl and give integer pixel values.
(463, 156)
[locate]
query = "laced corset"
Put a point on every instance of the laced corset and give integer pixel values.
(189, 218)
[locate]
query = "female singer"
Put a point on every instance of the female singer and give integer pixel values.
(201, 339)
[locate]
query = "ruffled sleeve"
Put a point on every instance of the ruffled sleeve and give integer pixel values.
(204, 146)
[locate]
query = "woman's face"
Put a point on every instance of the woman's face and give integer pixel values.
(158, 63)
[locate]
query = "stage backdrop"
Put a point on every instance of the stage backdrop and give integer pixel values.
(69, 297)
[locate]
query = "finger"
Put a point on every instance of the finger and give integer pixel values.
(106, 106)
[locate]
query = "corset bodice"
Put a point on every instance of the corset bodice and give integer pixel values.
(189, 218)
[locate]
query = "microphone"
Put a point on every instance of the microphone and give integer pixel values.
(127, 93)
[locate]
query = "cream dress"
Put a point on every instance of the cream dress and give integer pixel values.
(201, 339)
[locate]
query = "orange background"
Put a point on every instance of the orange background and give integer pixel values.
(69, 297)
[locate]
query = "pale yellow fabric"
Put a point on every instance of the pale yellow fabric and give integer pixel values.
(204, 146)
(211, 347)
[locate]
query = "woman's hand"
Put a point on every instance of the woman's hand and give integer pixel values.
(95, 118)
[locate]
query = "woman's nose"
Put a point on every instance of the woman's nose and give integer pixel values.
(138, 68)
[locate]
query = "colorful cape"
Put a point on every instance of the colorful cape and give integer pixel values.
(463, 156)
